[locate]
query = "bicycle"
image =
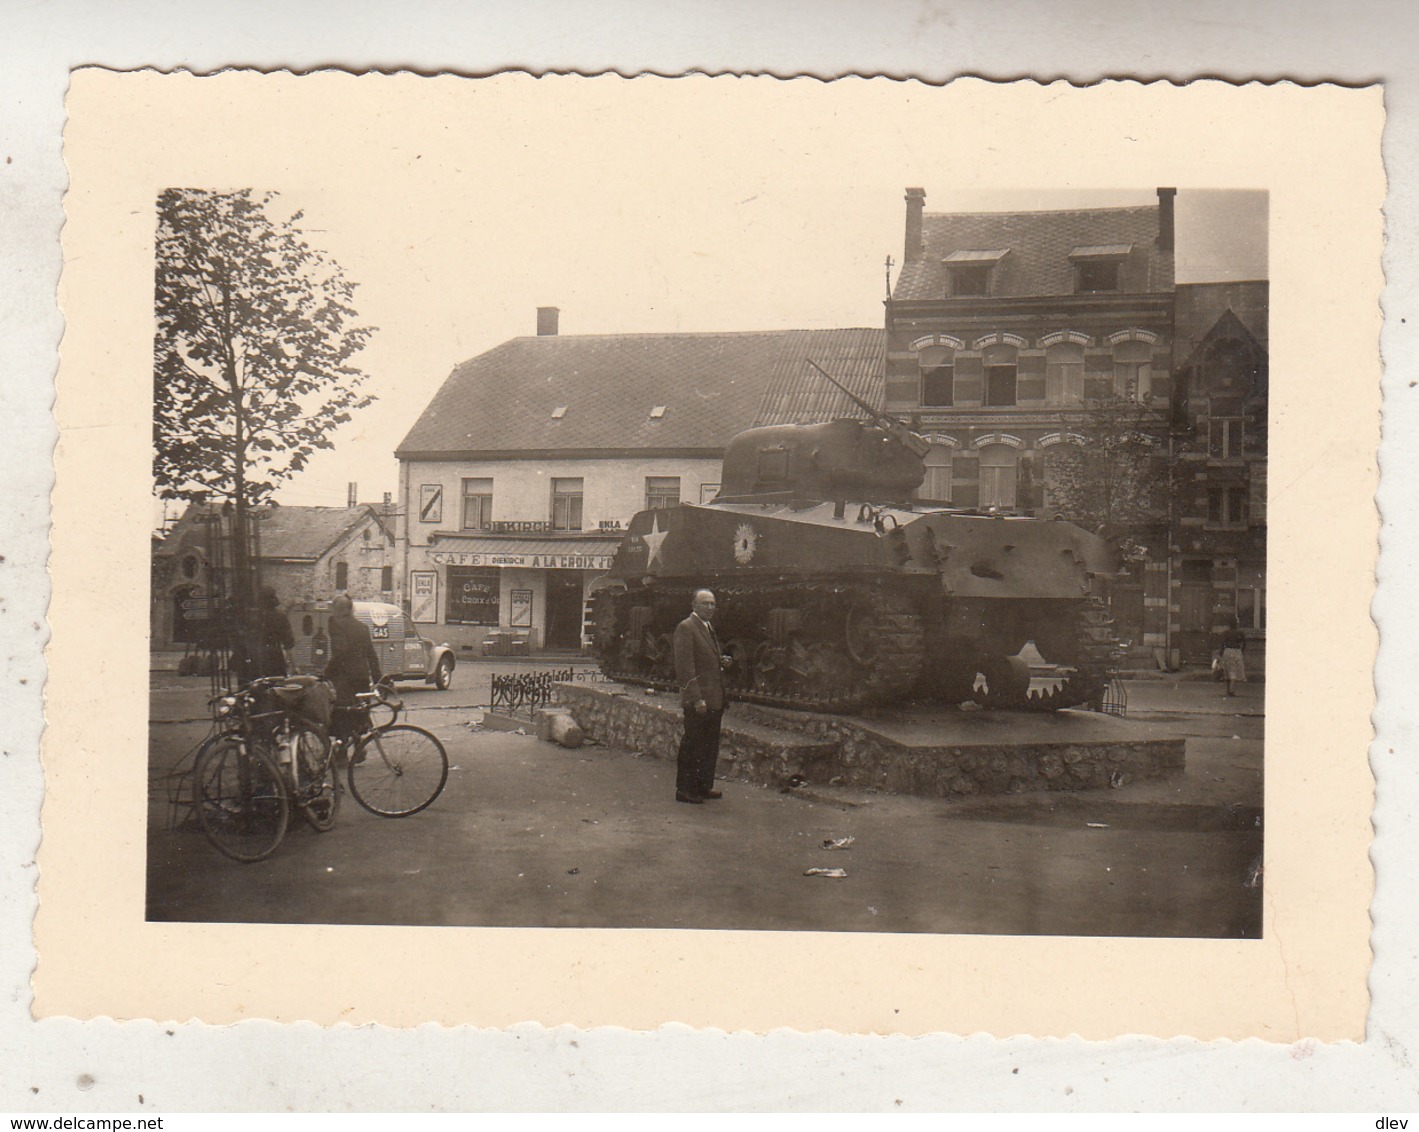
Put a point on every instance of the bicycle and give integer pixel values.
(394, 769)
(264, 758)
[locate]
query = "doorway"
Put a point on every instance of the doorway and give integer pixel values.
(564, 610)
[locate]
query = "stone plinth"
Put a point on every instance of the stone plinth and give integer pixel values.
(935, 753)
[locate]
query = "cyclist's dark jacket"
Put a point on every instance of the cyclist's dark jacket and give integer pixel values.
(354, 665)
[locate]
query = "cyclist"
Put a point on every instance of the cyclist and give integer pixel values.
(353, 666)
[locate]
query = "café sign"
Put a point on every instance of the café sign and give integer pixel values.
(522, 561)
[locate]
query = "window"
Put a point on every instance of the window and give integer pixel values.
(1251, 598)
(477, 504)
(936, 486)
(1064, 374)
(342, 575)
(1133, 371)
(566, 504)
(1000, 375)
(1227, 506)
(1224, 438)
(937, 376)
(1097, 275)
(973, 280)
(997, 476)
(474, 595)
(662, 491)
(938, 386)
(386, 579)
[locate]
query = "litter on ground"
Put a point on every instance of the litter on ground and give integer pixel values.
(825, 872)
(839, 842)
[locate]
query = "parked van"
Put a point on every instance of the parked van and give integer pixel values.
(403, 653)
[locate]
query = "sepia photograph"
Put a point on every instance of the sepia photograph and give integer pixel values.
(619, 528)
(930, 597)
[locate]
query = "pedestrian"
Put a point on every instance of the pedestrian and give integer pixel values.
(1233, 657)
(699, 666)
(268, 640)
(353, 666)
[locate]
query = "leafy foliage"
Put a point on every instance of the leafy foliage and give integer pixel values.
(1114, 476)
(252, 354)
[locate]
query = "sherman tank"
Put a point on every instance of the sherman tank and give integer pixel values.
(836, 591)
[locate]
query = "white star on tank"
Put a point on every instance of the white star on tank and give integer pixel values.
(653, 538)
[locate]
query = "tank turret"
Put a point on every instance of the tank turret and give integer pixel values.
(838, 460)
(837, 592)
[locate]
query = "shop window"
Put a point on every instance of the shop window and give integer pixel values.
(386, 579)
(1227, 506)
(936, 486)
(566, 504)
(1064, 374)
(474, 595)
(998, 476)
(1133, 371)
(1000, 376)
(477, 504)
(662, 491)
(342, 575)
(1224, 438)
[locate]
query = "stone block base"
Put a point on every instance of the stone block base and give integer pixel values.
(934, 753)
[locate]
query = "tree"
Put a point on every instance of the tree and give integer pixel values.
(255, 333)
(251, 368)
(1113, 476)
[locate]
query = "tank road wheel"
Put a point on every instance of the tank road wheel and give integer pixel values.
(1007, 682)
(828, 670)
(768, 668)
(740, 676)
(659, 652)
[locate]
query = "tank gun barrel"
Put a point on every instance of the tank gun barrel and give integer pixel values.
(895, 428)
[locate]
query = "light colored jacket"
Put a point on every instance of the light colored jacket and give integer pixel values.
(697, 668)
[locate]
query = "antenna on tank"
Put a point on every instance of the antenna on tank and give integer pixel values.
(895, 428)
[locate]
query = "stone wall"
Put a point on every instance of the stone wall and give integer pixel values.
(769, 747)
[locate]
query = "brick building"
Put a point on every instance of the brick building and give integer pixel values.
(1003, 325)
(1218, 543)
(519, 476)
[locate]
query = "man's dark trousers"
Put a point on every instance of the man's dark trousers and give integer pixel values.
(699, 752)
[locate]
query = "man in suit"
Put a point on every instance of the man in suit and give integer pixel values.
(698, 668)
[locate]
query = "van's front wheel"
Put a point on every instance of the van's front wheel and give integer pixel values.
(443, 674)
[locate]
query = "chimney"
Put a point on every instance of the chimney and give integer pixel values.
(547, 322)
(916, 204)
(1165, 219)
(352, 494)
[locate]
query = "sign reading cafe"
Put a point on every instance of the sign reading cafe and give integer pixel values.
(526, 561)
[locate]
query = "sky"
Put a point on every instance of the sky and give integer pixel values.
(641, 215)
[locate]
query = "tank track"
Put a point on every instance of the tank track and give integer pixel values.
(842, 647)
(1094, 668)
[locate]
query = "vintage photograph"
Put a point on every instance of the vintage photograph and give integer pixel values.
(663, 565)
(839, 539)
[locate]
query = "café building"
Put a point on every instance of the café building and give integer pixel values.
(521, 474)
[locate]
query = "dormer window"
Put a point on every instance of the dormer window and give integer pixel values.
(1096, 268)
(971, 271)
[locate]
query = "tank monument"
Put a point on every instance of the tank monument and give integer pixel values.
(877, 641)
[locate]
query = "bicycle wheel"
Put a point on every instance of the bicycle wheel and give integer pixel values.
(240, 799)
(397, 771)
(317, 793)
